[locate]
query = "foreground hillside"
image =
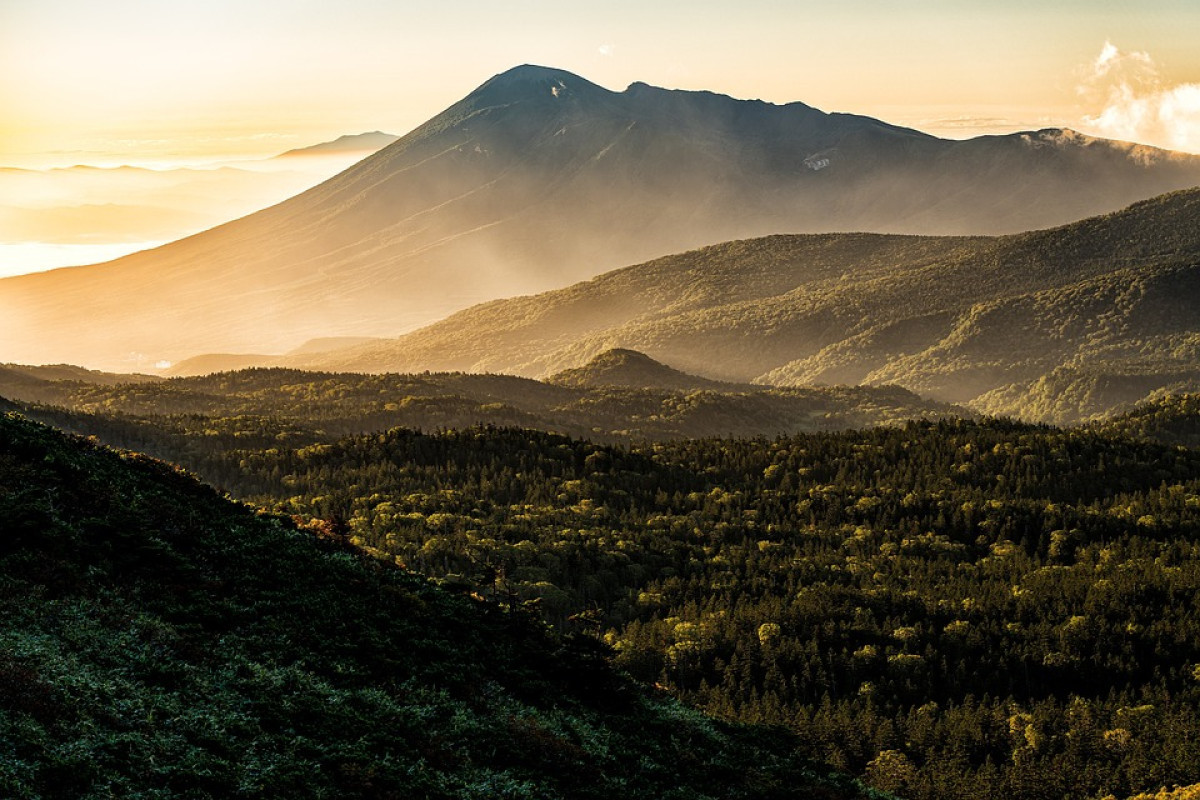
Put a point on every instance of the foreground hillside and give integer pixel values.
(539, 178)
(1059, 325)
(968, 610)
(158, 641)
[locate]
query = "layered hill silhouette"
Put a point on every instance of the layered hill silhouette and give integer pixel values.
(539, 178)
(619, 396)
(1059, 325)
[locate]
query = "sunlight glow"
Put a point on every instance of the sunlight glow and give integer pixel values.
(193, 84)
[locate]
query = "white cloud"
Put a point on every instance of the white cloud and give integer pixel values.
(605, 50)
(1136, 104)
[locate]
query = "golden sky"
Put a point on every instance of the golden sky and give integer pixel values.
(158, 81)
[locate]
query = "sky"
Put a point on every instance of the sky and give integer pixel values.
(165, 83)
(180, 80)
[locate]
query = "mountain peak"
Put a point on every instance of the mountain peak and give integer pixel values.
(532, 72)
(532, 78)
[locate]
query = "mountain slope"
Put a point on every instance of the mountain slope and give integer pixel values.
(161, 641)
(950, 317)
(539, 178)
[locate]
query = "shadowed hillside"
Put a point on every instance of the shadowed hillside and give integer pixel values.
(161, 641)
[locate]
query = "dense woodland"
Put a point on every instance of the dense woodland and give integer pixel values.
(948, 609)
(158, 641)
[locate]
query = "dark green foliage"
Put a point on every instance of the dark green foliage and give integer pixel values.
(159, 641)
(952, 609)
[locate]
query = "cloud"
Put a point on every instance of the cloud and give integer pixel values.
(605, 50)
(1136, 104)
(968, 123)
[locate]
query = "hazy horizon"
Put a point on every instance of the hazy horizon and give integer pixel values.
(200, 84)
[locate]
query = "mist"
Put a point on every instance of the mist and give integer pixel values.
(70, 216)
(1138, 104)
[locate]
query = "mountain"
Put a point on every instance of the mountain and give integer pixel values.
(350, 143)
(959, 319)
(68, 372)
(539, 178)
(25, 382)
(162, 641)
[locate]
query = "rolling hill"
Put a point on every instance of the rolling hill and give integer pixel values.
(539, 178)
(1107, 303)
(620, 396)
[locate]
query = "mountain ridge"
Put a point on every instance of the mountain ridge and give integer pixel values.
(524, 185)
(350, 142)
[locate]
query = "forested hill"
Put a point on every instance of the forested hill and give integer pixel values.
(583, 403)
(1059, 325)
(159, 641)
(1173, 420)
(634, 370)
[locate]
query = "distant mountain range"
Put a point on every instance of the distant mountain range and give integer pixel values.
(539, 178)
(1059, 325)
(72, 215)
(350, 143)
(620, 395)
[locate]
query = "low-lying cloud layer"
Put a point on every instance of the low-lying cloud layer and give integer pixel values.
(1138, 105)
